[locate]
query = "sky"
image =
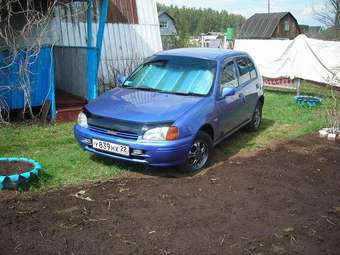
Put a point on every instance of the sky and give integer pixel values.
(303, 10)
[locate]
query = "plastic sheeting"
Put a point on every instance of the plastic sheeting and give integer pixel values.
(304, 58)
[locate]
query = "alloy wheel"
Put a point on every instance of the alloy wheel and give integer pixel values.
(198, 155)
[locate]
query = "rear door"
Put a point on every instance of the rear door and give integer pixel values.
(249, 85)
(230, 107)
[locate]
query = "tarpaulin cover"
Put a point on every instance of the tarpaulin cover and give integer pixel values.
(39, 76)
(304, 58)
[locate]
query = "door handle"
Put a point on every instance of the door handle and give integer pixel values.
(242, 97)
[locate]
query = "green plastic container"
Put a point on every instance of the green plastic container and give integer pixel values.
(230, 33)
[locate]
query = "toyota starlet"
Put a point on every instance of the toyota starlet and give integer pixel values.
(174, 108)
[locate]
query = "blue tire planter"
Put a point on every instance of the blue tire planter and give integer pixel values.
(309, 101)
(12, 181)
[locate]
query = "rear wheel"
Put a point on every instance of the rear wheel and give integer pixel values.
(255, 123)
(199, 154)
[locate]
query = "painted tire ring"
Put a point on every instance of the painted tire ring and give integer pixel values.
(16, 178)
(310, 101)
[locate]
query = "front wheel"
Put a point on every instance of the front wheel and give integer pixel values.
(255, 123)
(199, 154)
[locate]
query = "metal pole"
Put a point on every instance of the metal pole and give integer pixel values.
(91, 73)
(100, 34)
(268, 6)
(52, 84)
(225, 45)
(89, 18)
(91, 56)
(298, 86)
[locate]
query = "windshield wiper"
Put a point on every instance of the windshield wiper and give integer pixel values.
(187, 94)
(145, 88)
(128, 87)
(148, 89)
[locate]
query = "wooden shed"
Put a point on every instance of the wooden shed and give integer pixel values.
(270, 25)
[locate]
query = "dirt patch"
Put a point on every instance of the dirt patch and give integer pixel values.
(284, 200)
(14, 167)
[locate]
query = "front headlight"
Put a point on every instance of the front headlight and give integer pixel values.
(82, 120)
(161, 134)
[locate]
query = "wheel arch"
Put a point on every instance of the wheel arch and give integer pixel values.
(208, 128)
(261, 99)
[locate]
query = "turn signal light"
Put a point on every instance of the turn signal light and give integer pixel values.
(172, 134)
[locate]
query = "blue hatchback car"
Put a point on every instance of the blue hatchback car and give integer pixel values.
(174, 108)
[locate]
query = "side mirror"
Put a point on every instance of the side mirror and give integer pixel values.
(228, 91)
(121, 79)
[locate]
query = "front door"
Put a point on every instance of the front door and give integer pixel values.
(229, 107)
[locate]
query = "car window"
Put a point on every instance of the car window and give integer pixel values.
(228, 77)
(246, 69)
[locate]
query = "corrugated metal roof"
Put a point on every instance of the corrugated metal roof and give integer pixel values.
(262, 25)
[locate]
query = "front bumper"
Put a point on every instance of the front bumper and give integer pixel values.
(164, 153)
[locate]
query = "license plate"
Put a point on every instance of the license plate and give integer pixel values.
(111, 147)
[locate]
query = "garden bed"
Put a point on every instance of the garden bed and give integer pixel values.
(15, 167)
(281, 200)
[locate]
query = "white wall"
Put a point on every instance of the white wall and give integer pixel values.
(124, 45)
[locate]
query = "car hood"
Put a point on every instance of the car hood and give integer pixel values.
(142, 106)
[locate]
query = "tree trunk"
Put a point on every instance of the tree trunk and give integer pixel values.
(337, 15)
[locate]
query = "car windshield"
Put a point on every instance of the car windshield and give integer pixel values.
(179, 75)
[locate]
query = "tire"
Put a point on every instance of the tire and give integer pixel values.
(256, 120)
(197, 161)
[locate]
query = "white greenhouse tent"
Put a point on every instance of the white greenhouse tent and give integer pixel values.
(302, 58)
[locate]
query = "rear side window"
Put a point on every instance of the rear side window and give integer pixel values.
(246, 69)
(228, 77)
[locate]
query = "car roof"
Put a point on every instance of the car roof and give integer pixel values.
(203, 53)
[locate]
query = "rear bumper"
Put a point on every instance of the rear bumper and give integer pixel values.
(165, 153)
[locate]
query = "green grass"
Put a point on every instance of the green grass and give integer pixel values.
(65, 163)
(283, 119)
(54, 146)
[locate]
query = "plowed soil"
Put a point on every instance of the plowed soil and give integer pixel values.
(282, 200)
